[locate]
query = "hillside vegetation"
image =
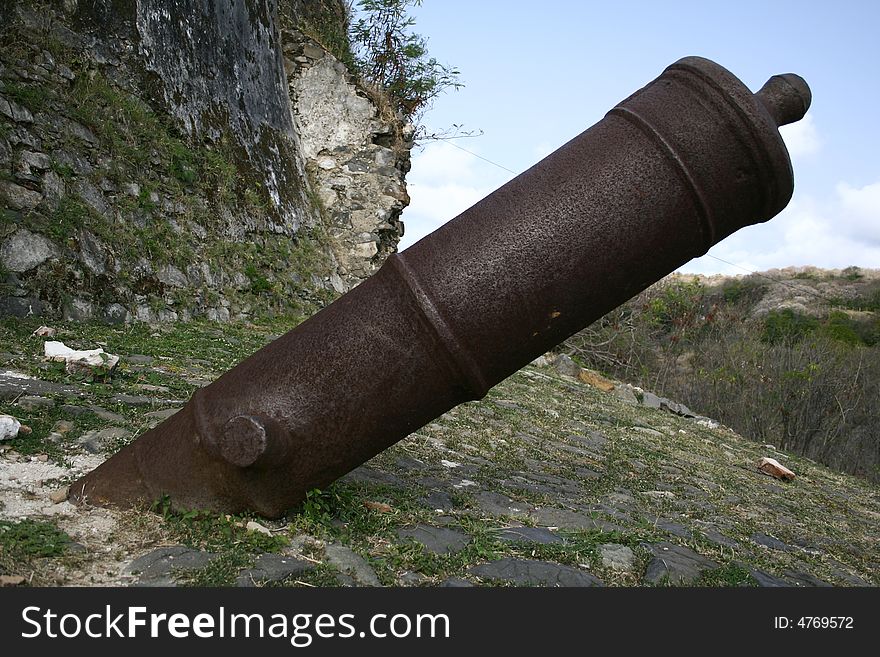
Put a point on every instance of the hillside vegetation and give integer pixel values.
(788, 357)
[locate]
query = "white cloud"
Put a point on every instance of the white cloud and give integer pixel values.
(440, 162)
(434, 205)
(836, 234)
(444, 182)
(860, 215)
(801, 138)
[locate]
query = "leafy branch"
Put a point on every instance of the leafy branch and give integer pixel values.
(391, 57)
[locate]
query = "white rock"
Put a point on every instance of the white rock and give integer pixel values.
(28, 160)
(774, 468)
(366, 250)
(25, 250)
(11, 374)
(9, 427)
(257, 527)
(172, 276)
(60, 495)
(44, 332)
(337, 283)
(329, 110)
(88, 359)
(617, 557)
(53, 189)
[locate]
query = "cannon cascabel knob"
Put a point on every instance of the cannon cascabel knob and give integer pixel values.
(787, 98)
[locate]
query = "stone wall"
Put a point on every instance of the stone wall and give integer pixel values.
(357, 158)
(153, 166)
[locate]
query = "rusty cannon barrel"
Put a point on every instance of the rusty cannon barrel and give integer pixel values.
(670, 171)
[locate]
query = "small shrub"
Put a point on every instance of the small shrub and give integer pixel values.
(740, 290)
(675, 305)
(840, 327)
(786, 327)
(394, 59)
(259, 283)
(852, 273)
(183, 163)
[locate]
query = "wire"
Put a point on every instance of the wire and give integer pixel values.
(776, 280)
(448, 141)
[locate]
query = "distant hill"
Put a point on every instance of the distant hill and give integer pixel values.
(788, 356)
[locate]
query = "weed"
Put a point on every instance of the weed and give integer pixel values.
(70, 216)
(322, 576)
(62, 169)
(223, 535)
(730, 575)
(28, 539)
(184, 164)
(259, 283)
(35, 98)
(339, 511)
(317, 509)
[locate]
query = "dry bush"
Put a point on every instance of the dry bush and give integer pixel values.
(803, 385)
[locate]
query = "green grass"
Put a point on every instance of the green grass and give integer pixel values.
(219, 346)
(684, 463)
(224, 535)
(41, 421)
(63, 170)
(24, 543)
(174, 350)
(70, 216)
(729, 575)
(34, 97)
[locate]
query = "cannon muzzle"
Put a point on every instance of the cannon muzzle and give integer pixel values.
(666, 174)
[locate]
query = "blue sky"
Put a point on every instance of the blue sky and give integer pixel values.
(539, 73)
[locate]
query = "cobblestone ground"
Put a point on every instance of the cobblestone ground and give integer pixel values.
(548, 481)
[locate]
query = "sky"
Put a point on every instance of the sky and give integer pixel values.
(537, 74)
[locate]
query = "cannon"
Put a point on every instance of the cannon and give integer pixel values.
(667, 173)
